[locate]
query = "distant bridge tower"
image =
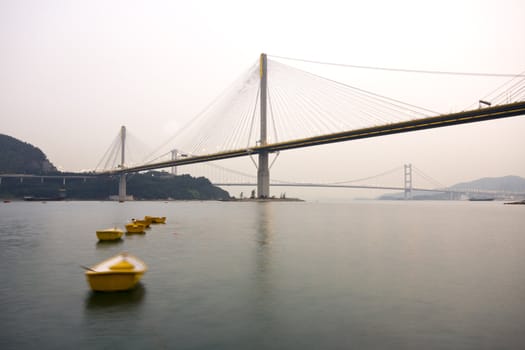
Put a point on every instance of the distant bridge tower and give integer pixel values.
(122, 182)
(174, 157)
(263, 171)
(408, 181)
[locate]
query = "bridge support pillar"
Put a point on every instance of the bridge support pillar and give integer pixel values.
(263, 170)
(263, 176)
(174, 153)
(122, 188)
(122, 181)
(408, 181)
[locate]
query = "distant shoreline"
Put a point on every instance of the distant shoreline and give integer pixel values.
(262, 200)
(514, 203)
(9, 200)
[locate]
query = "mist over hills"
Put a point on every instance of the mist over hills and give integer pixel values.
(509, 183)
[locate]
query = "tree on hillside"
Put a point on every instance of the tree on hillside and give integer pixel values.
(21, 157)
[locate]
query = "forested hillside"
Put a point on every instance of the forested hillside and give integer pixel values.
(17, 157)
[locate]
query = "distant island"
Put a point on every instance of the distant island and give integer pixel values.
(18, 157)
(509, 184)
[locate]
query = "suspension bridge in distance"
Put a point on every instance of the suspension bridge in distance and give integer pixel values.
(408, 189)
(263, 148)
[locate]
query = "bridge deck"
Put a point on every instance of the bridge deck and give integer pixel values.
(477, 115)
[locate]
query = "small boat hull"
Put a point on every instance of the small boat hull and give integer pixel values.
(145, 223)
(43, 199)
(135, 228)
(110, 234)
(113, 282)
(118, 273)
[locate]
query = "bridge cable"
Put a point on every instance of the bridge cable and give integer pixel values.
(274, 128)
(272, 115)
(341, 98)
(198, 116)
(365, 98)
(305, 105)
(367, 178)
(429, 178)
(108, 150)
(496, 99)
(516, 87)
(237, 172)
(251, 127)
(404, 70)
(112, 154)
(253, 117)
(226, 112)
(391, 100)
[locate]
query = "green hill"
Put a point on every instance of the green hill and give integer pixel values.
(17, 157)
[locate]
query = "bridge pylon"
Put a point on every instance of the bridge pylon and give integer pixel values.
(122, 181)
(408, 181)
(174, 153)
(263, 170)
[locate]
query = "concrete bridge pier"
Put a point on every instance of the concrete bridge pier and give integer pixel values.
(263, 170)
(122, 188)
(408, 181)
(122, 181)
(263, 176)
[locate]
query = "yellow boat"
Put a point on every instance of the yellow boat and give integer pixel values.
(109, 234)
(133, 227)
(118, 273)
(156, 219)
(146, 223)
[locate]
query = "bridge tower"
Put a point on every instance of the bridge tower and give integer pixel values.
(174, 157)
(263, 171)
(408, 181)
(122, 181)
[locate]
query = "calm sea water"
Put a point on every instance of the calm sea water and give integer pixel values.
(361, 275)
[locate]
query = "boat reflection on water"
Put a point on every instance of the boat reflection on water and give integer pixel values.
(108, 244)
(100, 300)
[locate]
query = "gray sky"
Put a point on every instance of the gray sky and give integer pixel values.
(72, 72)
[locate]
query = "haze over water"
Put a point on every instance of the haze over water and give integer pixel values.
(362, 275)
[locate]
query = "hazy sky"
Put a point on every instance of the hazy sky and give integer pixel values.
(72, 72)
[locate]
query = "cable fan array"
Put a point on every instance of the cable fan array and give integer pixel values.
(225, 124)
(299, 105)
(134, 150)
(511, 91)
(111, 158)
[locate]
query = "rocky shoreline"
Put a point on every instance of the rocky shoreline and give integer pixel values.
(518, 202)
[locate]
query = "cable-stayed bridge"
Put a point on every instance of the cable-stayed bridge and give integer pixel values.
(274, 107)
